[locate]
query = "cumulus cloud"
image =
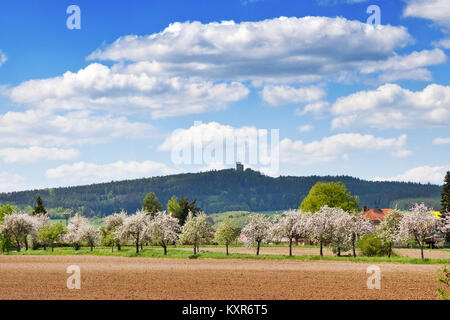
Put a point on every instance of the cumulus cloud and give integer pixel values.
(328, 149)
(391, 106)
(336, 147)
(435, 10)
(3, 58)
(45, 129)
(424, 174)
(283, 95)
(411, 66)
(280, 49)
(36, 154)
(214, 145)
(123, 89)
(82, 172)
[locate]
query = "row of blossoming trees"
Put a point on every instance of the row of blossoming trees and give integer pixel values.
(328, 226)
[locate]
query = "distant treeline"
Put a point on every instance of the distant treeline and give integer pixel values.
(215, 191)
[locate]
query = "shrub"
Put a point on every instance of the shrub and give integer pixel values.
(373, 246)
(444, 280)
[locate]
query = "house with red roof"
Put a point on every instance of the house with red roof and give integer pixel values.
(375, 215)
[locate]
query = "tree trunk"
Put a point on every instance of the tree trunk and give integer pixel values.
(195, 249)
(92, 248)
(257, 248)
(227, 247)
(421, 251)
(118, 246)
(290, 247)
(390, 250)
(45, 247)
(137, 246)
(142, 247)
(112, 248)
(321, 248)
(165, 249)
(339, 252)
(26, 244)
(353, 245)
(52, 248)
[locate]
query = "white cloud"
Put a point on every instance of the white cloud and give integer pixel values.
(11, 182)
(45, 129)
(280, 49)
(443, 43)
(435, 10)
(327, 149)
(402, 153)
(283, 95)
(317, 108)
(120, 89)
(391, 106)
(208, 134)
(3, 58)
(36, 154)
(425, 174)
(82, 172)
(336, 147)
(305, 128)
(438, 141)
(411, 66)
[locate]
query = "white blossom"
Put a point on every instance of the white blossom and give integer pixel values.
(321, 226)
(196, 230)
(90, 234)
(111, 225)
(291, 225)
(18, 226)
(418, 225)
(257, 230)
(342, 230)
(135, 228)
(163, 229)
(74, 233)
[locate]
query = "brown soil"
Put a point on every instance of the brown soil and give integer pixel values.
(412, 253)
(44, 277)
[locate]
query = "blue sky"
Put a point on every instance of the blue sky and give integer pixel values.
(140, 79)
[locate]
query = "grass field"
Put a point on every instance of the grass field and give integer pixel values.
(217, 252)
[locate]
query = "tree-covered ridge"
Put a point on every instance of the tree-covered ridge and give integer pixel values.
(215, 191)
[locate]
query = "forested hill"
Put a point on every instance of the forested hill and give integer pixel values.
(215, 191)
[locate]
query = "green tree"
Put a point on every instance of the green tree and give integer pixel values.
(388, 229)
(332, 194)
(227, 232)
(185, 208)
(445, 202)
(5, 240)
(4, 210)
(173, 207)
(39, 208)
(51, 233)
(151, 203)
